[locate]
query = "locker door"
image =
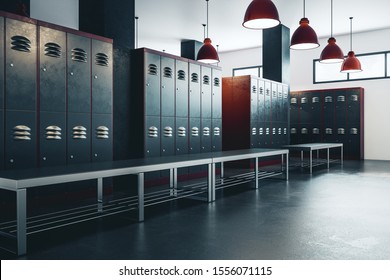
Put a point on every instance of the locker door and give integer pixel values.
(217, 94)
(267, 101)
(267, 135)
(316, 105)
(206, 135)
(152, 85)
(260, 135)
(305, 132)
(260, 100)
(102, 77)
(194, 94)
(353, 149)
(195, 135)
(79, 138)
(206, 92)
(1, 140)
(253, 133)
(284, 140)
(217, 135)
(279, 105)
(181, 136)
(152, 136)
(305, 107)
(20, 139)
(52, 138)
(295, 134)
(2, 72)
(52, 57)
(328, 117)
(167, 87)
(102, 137)
(285, 104)
(168, 136)
(181, 88)
(274, 101)
(254, 100)
(354, 104)
(79, 74)
(294, 108)
(316, 133)
(20, 65)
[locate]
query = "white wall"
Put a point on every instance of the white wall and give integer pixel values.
(61, 12)
(377, 92)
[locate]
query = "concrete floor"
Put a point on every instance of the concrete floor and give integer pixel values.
(342, 213)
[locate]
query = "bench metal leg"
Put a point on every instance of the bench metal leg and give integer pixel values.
(256, 172)
(287, 155)
(301, 158)
(100, 194)
(21, 221)
(342, 155)
(173, 181)
(327, 157)
(311, 161)
(141, 204)
(211, 182)
(222, 172)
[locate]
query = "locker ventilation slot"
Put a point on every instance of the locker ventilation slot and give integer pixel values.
(328, 131)
(293, 131)
(206, 80)
(168, 72)
(79, 132)
(217, 131)
(353, 131)
(303, 100)
(254, 89)
(53, 50)
(206, 131)
(267, 92)
(285, 131)
(304, 131)
(315, 99)
(79, 55)
(274, 131)
(328, 99)
(280, 131)
(354, 97)
(267, 131)
(195, 131)
(181, 75)
(285, 95)
(261, 90)
(254, 130)
(22, 133)
(293, 100)
(316, 131)
(217, 82)
(168, 131)
(274, 94)
(101, 59)
(20, 43)
(341, 131)
(181, 131)
(280, 95)
(102, 132)
(53, 132)
(260, 131)
(340, 98)
(153, 132)
(152, 69)
(194, 78)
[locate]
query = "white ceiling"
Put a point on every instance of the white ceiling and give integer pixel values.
(162, 24)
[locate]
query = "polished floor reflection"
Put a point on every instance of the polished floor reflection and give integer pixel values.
(341, 213)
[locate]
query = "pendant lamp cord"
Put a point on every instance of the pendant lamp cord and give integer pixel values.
(351, 33)
(204, 31)
(207, 18)
(331, 18)
(136, 32)
(304, 8)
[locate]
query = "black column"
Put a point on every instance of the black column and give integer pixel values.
(276, 54)
(115, 19)
(21, 7)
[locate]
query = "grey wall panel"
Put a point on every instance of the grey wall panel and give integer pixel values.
(260, 99)
(205, 135)
(20, 139)
(79, 74)
(216, 140)
(182, 131)
(152, 76)
(181, 88)
(168, 136)
(194, 94)
(20, 65)
(1, 139)
(206, 92)
(152, 136)
(102, 77)
(216, 94)
(52, 137)
(78, 138)
(102, 137)
(52, 59)
(195, 135)
(167, 87)
(2, 66)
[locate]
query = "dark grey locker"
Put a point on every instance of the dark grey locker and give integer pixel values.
(52, 59)
(328, 109)
(206, 92)
(274, 101)
(181, 88)
(20, 65)
(2, 71)
(294, 108)
(267, 135)
(316, 104)
(152, 136)
(253, 100)
(79, 74)
(152, 85)
(305, 132)
(1, 139)
(167, 136)
(260, 135)
(205, 135)
(285, 104)
(194, 94)
(285, 131)
(181, 136)
(216, 140)
(78, 138)
(216, 94)
(102, 77)
(52, 137)
(102, 137)
(295, 134)
(316, 133)
(279, 104)
(305, 107)
(167, 87)
(260, 100)
(20, 139)
(340, 109)
(354, 105)
(352, 149)
(253, 133)
(267, 101)
(194, 136)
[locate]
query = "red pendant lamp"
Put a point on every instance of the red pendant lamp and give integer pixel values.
(207, 53)
(304, 38)
(261, 14)
(351, 64)
(332, 52)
